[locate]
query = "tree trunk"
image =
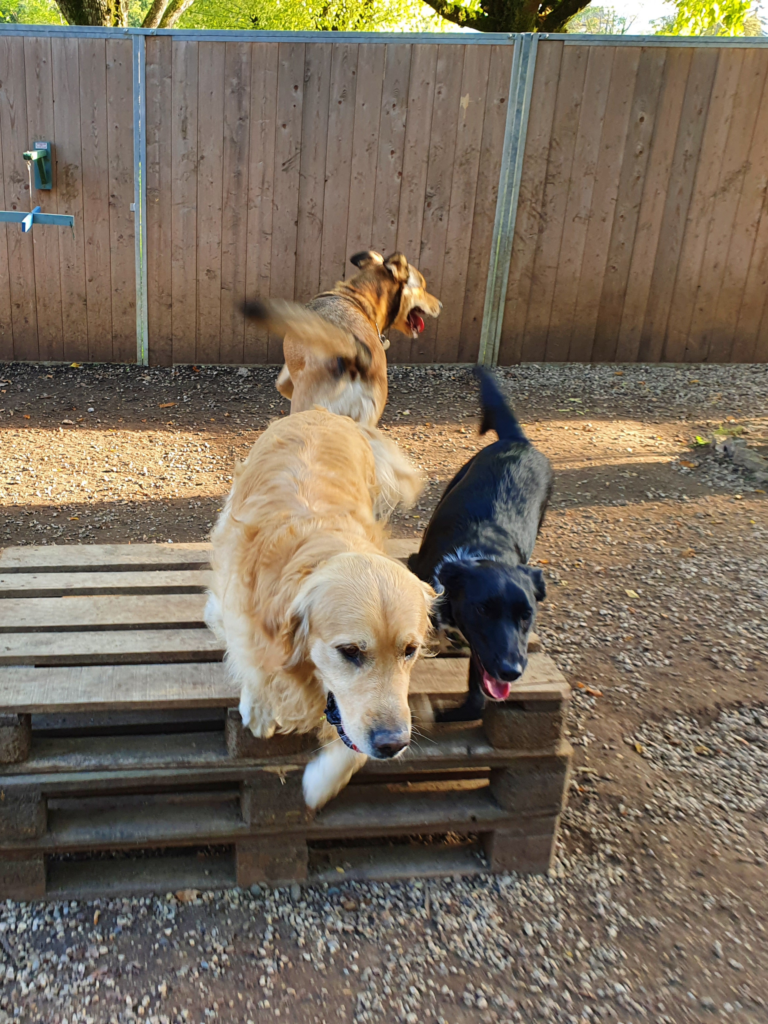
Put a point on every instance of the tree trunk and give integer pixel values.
(154, 14)
(101, 13)
(511, 15)
(174, 11)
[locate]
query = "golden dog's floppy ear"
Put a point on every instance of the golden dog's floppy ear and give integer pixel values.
(398, 267)
(364, 260)
(295, 632)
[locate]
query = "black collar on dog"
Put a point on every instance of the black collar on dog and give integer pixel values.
(333, 717)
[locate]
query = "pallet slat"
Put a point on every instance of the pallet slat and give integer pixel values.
(53, 584)
(109, 647)
(116, 611)
(104, 557)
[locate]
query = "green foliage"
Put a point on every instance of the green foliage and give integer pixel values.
(711, 18)
(599, 21)
(314, 15)
(30, 12)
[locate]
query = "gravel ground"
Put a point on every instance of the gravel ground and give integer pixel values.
(655, 551)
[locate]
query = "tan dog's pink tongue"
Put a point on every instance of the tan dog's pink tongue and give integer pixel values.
(495, 687)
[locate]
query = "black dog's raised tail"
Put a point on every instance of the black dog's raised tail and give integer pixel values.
(497, 414)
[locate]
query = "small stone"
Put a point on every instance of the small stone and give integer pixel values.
(255, 889)
(736, 965)
(295, 891)
(708, 1003)
(717, 949)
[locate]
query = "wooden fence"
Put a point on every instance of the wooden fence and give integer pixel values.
(65, 296)
(258, 163)
(642, 228)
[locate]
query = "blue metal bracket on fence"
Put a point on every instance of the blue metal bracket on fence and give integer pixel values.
(27, 220)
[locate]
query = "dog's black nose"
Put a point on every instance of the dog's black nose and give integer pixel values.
(388, 742)
(509, 671)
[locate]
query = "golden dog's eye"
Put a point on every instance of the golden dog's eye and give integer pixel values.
(410, 650)
(352, 653)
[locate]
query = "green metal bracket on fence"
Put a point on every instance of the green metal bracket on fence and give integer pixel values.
(40, 159)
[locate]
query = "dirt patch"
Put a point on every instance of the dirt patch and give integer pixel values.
(655, 554)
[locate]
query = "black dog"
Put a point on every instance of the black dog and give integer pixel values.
(476, 550)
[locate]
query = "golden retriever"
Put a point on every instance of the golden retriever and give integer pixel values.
(334, 347)
(314, 616)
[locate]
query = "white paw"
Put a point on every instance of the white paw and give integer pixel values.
(315, 784)
(255, 716)
(212, 614)
(329, 773)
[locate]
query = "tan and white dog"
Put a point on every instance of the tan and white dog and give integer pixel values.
(314, 616)
(334, 346)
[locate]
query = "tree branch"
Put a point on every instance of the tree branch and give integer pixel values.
(457, 14)
(154, 14)
(560, 14)
(173, 12)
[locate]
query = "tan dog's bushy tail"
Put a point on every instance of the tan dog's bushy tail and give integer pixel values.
(398, 481)
(321, 337)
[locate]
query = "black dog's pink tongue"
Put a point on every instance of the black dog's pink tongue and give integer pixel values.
(495, 687)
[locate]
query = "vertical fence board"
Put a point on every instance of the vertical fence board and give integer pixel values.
(442, 148)
(655, 188)
(528, 221)
(338, 165)
(69, 186)
(677, 201)
(700, 210)
(737, 288)
(562, 145)
(290, 99)
(725, 204)
(314, 142)
(121, 219)
(45, 241)
(486, 194)
(210, 151)
(237, 99)
(6, 315)
(391, 142)
(95, 152)
(418, 126)
(610, 159)
(580, 197)
(469, 139)
(21, 263)
(365, 148)
(159, 66)
(184, 152)
(642, 119)
(261, 176)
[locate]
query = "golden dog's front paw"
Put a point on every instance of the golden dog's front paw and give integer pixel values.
(255, 716)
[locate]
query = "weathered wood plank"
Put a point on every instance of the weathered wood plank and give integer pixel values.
(677, 200)
(699, 217)
(49, 690)
(69, 189)
(578, 208)
(39, 88)
(46, 614)
(642, 120)
(494, 120)
(570, 96)
(706, 325)
(314, 142)
(210, 149)
(655, 189)
(391, 142)
(365, 151)
(119, 103)
(184, 153)
(159, 67)
(75, 880)
(442, 148)
(261, 177)
(109, 647)
(611, 155)
(103, 557)
(469, 137)
(21, 262)
(237, 102)
(285, 188)
(6, 316)
(338, 164)
(418, 126)
(532, 182)
(95, 156)
(51, 584)
(388, 863)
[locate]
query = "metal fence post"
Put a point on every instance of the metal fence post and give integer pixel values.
(140, 195)
(515, 131)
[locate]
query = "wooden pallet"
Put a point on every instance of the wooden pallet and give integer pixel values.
(124, 766)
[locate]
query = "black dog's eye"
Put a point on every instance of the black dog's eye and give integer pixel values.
(352, 653)
(410, 651)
